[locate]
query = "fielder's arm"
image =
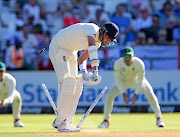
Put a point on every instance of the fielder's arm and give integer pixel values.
(118, 77)
(141, 75)
(11, 84)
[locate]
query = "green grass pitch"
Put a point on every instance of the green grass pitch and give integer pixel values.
(37, 125)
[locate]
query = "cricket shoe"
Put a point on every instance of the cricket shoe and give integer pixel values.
(160, 122)
(18, 124)
(65, 127)
(53, 124)
(104, 124)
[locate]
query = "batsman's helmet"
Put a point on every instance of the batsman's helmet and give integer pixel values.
(112, 31)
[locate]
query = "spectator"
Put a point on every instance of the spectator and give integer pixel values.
(153, 30)
(144, 21)
(165, 14)
(123, 23)
(149, 5)
(162, 37)
(136, 8)
(100, 18)
(31, 9)
(48, 8)
(17, 34)
(150, 41)
(176, 32)
(72, 18)
(177, 8)
(152, 5)
(38, 32)
(140, 39)
(30, 46)
(81, 6)
(170, 28)
(52, 10)
(58, 22)
(14, 57)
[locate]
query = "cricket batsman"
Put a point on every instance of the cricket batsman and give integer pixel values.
(129, 72)
(9, 94)
(63, 51)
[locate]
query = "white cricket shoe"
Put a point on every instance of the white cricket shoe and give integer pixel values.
(18, 124)
(160, 122)
(53, 124)
(65, 127)
(104, 124)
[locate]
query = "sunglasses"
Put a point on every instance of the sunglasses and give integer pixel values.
(127, 56)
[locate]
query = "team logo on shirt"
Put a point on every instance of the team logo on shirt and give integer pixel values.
(123, 69)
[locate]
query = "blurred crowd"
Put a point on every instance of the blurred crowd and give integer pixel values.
(27, 26)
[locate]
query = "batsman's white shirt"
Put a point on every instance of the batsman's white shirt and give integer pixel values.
(129, 76)
(65, 45)
(7, 88)
(74, 37)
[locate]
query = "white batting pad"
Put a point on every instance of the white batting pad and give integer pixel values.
(78, 92)
(65, 99)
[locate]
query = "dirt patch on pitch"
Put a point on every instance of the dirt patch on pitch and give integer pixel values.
(112, 133)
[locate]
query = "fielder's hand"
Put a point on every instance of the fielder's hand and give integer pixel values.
(126, 98)
(134, 100)
(1, 103)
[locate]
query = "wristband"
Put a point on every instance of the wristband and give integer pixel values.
(83, 66)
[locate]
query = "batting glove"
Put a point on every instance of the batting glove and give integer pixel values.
(85, 77)
(95, 78)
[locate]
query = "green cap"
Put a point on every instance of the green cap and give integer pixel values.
(2, 66)
(128, 51)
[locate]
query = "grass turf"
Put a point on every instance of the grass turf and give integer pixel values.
(40, 125)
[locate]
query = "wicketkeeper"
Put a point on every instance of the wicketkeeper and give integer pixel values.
(129, 72)
(9, 94)
(63, 54)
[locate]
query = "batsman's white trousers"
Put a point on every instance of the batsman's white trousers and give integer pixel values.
(65, 66)
(64, 62)
(146, 90)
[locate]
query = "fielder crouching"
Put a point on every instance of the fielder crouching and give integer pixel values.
(129, 72)
(9, 94)
(63, 54)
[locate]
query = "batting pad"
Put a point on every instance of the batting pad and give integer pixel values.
(65, 99)
(78, 92)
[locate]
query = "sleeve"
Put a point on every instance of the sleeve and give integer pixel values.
(11, 83)
(91, 31)
(141, 74)
(118, 76)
